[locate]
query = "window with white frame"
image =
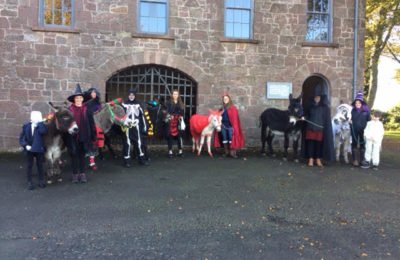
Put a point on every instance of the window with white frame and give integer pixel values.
(56, 13)
(153, 16)
(238, 19)
(319, 21)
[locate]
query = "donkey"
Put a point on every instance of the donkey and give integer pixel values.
(108, 119)
(59, 122)
(341, 131)
(282, 122)
(202, 126)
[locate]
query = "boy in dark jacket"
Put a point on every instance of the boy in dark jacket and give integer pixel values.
(31, 139)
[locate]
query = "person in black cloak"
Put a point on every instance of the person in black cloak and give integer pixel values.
(92, 102)
(318, 135)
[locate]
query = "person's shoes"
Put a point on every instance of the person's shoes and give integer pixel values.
(31, 186)
(375, 168)
(42, 184)
(365, 165)
(319, 163)
(75, 178)
(143, 162)
(310, 162)
(233, 154)
(127, 164)
(170, 154)
(82, 178)
(355, 163)
(180, 153)
(93, 167)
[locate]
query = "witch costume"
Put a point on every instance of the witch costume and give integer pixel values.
(82, 142)
(359, 118)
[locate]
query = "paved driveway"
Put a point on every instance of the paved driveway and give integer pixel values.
(201, 208)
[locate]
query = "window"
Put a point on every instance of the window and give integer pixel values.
(56, 13)
(238, 19)
(153, 16)
(319, 21)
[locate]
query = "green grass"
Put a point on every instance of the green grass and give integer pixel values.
(392, 134)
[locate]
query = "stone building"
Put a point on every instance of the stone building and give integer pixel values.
(257, 50)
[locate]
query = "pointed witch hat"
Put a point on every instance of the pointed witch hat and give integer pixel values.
(77, 92)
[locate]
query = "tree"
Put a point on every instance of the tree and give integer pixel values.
(382, 18)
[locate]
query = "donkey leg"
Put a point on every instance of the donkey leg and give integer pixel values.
(346, 148)
(285, 147)
(296, 148)
(193, 145)
(270, 137)
(337, 150)
(263, 139)
(201, 145)
(209, 146)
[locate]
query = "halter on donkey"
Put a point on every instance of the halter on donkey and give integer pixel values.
(341, 130)
(202, 126)
(282, 122)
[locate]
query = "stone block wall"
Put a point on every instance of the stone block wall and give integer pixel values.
(38, 65)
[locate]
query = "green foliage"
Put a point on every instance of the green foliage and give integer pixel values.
(391, 119)
(381, 18)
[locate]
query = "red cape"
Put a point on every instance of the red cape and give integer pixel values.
(237, 136)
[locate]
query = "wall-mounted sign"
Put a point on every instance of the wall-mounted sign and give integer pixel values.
(278, 90)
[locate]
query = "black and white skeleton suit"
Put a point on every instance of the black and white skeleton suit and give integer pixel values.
(137, 128)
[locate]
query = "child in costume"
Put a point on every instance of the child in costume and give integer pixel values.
(360, 115)
(31, 139)
(373, 135)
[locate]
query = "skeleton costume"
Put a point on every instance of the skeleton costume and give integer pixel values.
(134, 131)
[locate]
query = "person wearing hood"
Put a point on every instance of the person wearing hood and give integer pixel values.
(31, 139)
(231, 135)
(81, 143)
(92, 97)
(318, 136)
(360, 115)
(135, 131)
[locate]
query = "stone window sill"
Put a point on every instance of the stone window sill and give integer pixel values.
(235, 40)
(153, 36)
(54, 29)
(320, 44)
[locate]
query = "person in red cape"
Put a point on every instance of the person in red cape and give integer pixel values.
(231, 135)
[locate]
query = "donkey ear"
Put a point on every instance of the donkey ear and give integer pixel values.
(341, 102)
(290, 96)
(52, 106)
(300, 96)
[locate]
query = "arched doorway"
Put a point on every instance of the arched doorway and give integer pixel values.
(308, 89)
(154, 82)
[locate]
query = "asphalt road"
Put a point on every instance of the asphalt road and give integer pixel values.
(201, 208)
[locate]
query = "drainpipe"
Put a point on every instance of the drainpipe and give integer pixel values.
(355, 54)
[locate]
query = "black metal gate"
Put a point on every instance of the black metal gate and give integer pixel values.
(154, 82)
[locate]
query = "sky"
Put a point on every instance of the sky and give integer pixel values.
(388, 92)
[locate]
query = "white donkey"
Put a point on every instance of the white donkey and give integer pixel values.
(202, 126)
(341, 131)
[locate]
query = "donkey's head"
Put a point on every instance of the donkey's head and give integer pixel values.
(295, 108)
(215, 119)
(343, 114)
(64, 119)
